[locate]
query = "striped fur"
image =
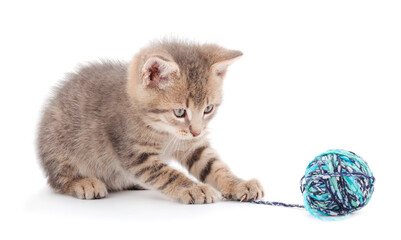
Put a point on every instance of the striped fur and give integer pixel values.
(110, 126)
(209, 169)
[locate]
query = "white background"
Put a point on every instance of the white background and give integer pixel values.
(315, 75)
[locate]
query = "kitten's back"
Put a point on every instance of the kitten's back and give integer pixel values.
(80, 106)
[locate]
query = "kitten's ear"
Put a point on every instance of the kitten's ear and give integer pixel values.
(157, 72)
(224, 59)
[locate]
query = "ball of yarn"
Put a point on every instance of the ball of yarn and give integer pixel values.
(336, 183)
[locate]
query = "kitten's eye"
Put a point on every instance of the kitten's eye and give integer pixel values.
(180, 112)
(208, 109)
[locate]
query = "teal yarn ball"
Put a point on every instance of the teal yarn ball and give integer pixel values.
(337, 183)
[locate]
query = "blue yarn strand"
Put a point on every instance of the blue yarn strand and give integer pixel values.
(277, 204)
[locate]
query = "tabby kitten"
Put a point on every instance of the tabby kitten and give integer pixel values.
(112, 126)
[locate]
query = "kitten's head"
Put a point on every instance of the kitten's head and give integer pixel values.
(177, 86)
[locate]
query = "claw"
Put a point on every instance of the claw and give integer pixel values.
(243, 197)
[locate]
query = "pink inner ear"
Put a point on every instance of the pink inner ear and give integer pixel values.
(155, 76)
(154, 72)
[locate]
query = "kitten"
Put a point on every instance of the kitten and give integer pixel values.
(111, 126)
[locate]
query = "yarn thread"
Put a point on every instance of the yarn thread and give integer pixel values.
(336, 183)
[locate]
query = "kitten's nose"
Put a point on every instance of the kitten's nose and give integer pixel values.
(194, 132)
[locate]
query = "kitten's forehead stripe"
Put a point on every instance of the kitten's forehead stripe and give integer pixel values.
(195, 68)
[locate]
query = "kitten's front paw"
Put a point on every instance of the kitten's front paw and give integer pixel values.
(198, 194)
(244, 191)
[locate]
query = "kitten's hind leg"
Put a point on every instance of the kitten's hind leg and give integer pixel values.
(65, 178)
(88, 188)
